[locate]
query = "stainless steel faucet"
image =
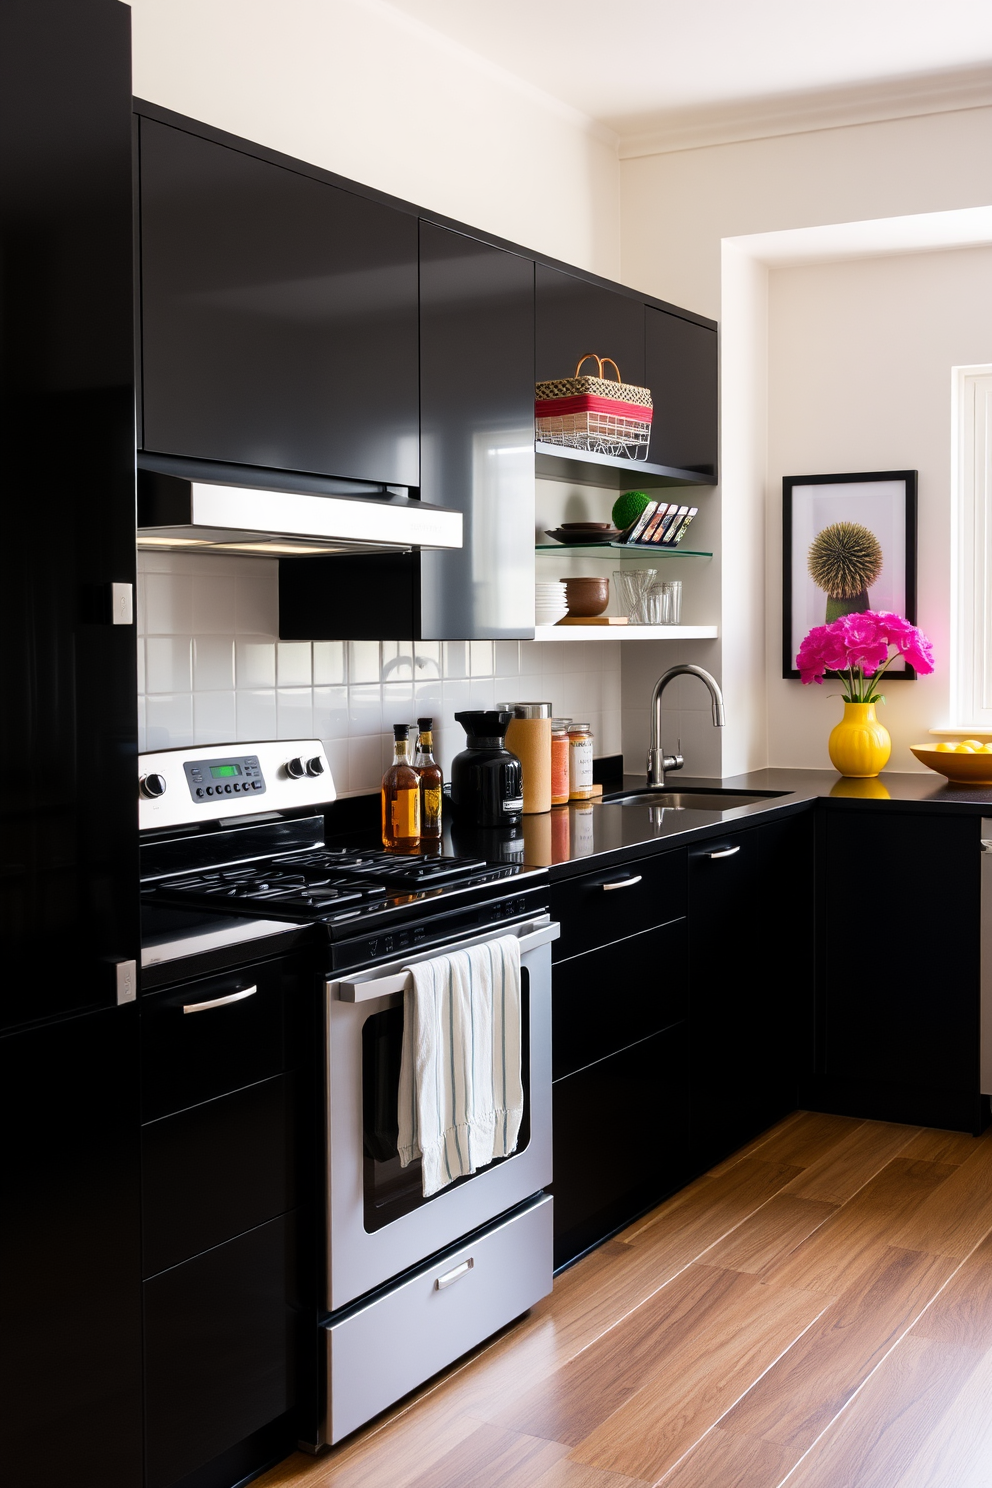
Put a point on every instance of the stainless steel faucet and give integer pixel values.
(658, 760)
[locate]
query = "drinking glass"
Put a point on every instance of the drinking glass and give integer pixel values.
(663, 603)
(632, 584)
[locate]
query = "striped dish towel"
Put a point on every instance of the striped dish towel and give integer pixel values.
(460, 1093)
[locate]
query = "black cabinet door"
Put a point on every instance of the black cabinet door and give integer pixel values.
(594, 909)
(477, 434)
(278, 315)
(681, 371)
(70, 1309)
(575, 317)
(898, 1028)
(220, 1350)
(751, 961)
(68, 741)
(620, 1139)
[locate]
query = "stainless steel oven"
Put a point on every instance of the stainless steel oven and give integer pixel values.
(413, 1282)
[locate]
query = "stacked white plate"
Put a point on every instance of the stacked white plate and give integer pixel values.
(549, 602)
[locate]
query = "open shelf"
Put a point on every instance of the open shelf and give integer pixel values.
(625, 633)
(582, 467)
(618, 550)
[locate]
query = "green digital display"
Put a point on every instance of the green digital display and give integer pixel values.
(220, 771)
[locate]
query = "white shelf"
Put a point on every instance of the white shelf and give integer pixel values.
(625, 633)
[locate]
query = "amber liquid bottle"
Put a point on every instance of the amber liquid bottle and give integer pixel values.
(400, 795)
(431, 782)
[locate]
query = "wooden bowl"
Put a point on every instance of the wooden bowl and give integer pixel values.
(963, 769)
(587, 597)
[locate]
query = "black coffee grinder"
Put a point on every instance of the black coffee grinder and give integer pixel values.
(487, 788)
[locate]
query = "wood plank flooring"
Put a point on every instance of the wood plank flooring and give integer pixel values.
(816, 1311)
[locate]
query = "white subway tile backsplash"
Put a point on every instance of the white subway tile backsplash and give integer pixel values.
(213, 670)
(294, 664)
(213, 662)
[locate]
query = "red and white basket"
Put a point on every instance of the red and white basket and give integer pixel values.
(595, 413)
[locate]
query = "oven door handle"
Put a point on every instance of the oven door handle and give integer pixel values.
(385, 986)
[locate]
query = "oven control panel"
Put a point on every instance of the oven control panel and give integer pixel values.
(179, 786)
(208, 780)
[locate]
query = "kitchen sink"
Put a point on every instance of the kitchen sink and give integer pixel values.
(691, 799)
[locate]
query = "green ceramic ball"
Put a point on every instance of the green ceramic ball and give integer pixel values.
(627, 508)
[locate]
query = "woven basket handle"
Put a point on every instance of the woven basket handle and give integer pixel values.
(601, 362)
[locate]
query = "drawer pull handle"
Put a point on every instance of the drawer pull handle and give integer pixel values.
(724, 852)
(622, 883)
(201, 1007)
(450, 1277)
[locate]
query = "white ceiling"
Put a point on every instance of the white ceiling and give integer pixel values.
(637, 65)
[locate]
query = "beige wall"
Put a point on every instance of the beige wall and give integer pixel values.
(357, 87)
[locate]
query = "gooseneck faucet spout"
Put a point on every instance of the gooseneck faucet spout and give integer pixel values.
(658, 760)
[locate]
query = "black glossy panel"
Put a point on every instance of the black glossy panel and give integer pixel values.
(620, 1140)
(191, 1057)
(69, 1244)
(910, 1015)
(279, 315)
(349, 597)
(751, 980)
(575, 317)
(211, 1172)
(613, 997)
(219, 1350)
(477, 434)
(68, 811)
(591, 915)
(681, 369)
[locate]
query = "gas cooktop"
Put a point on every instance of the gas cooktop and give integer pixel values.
(326, 883)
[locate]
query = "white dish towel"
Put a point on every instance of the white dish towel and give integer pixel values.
(461, 1094)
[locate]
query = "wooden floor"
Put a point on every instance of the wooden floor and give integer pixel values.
(817, 1310)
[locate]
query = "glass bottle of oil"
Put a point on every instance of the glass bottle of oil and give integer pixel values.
(431, 781)
(401, 795)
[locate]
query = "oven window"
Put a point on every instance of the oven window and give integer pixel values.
(392, 1191)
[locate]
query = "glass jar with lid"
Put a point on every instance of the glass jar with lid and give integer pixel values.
(559, 761)
(580, 746)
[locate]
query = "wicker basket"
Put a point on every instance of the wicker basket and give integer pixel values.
(595, 413)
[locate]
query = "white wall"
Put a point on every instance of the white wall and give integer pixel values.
(677, 211)
(360, 88)
(859, 378)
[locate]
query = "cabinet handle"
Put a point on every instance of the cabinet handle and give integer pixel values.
(450, 1277)
(621, 883)
(724, 852)
(201, 1007)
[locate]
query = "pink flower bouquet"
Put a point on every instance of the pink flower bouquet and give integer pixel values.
(862, 646)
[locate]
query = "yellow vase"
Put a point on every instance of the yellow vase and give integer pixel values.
(859, 746)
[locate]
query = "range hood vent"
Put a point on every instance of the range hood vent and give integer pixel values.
(187, 506)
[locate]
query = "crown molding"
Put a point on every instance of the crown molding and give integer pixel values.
(948, 91)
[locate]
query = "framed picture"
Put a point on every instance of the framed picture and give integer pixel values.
(848, 544)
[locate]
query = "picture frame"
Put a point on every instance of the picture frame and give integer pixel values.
(882, 504)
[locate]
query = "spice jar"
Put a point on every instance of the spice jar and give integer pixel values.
(559, 761)
(579, 762)
(529, 738)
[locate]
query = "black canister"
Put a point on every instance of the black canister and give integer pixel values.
(487, 787)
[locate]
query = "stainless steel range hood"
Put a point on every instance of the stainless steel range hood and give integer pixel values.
(224, 509)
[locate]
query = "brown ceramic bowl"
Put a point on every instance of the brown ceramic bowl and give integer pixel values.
(587, 597)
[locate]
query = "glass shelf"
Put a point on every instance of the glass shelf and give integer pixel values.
(620, 550)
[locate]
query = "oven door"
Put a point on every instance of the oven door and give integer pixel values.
(378, 1222)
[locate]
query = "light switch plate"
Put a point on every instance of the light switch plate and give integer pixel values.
(122, 602)
(126, 973)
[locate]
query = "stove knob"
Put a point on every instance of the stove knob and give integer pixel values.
(296, 768)
(152, 785)
(315, 766)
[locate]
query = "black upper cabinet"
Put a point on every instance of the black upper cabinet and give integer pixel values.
(681, 371)
(279, 315)
(575, 316)
(477, 434)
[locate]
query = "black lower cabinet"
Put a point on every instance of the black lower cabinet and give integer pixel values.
(896, 1030)
(220, 1352)
(227, 1190)
(620, 1139)
(751, 965)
